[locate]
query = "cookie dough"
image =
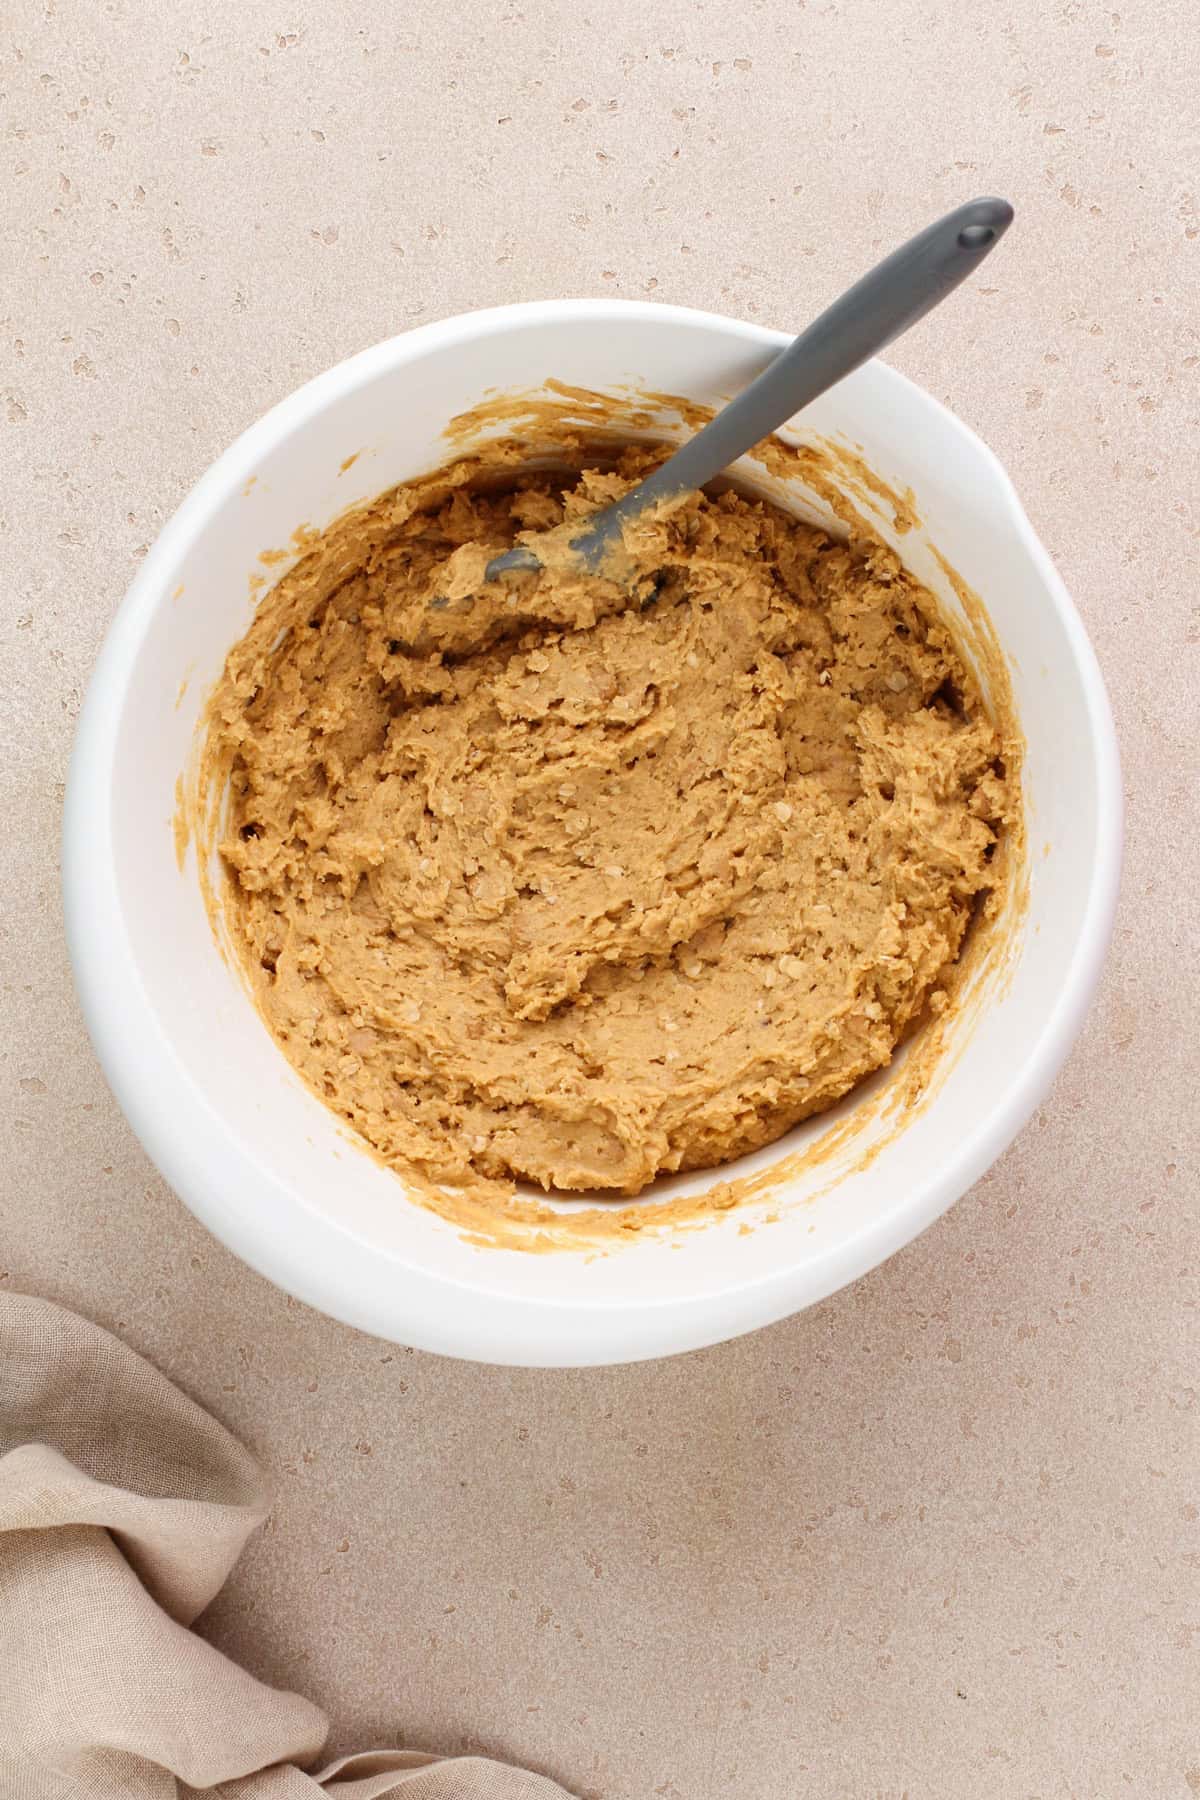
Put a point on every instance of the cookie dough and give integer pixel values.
(576, 880)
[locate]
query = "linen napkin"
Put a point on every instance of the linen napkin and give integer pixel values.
(123, 1507)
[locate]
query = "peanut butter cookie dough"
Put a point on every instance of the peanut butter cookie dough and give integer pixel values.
(559, 882)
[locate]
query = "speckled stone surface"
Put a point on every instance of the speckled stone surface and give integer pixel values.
(939, 1536)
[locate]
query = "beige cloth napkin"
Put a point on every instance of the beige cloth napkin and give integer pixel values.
(123, 1507)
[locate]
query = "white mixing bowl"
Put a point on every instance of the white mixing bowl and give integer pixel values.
(263, 1163)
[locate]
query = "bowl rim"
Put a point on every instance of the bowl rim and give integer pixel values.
(529, 1330)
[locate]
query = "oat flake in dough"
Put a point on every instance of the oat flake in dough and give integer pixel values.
(560, 884)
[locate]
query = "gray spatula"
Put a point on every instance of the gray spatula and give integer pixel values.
(875, 311)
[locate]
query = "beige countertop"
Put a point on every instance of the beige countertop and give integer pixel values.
(939, 1536)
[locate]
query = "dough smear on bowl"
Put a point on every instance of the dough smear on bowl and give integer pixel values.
(557, 882)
